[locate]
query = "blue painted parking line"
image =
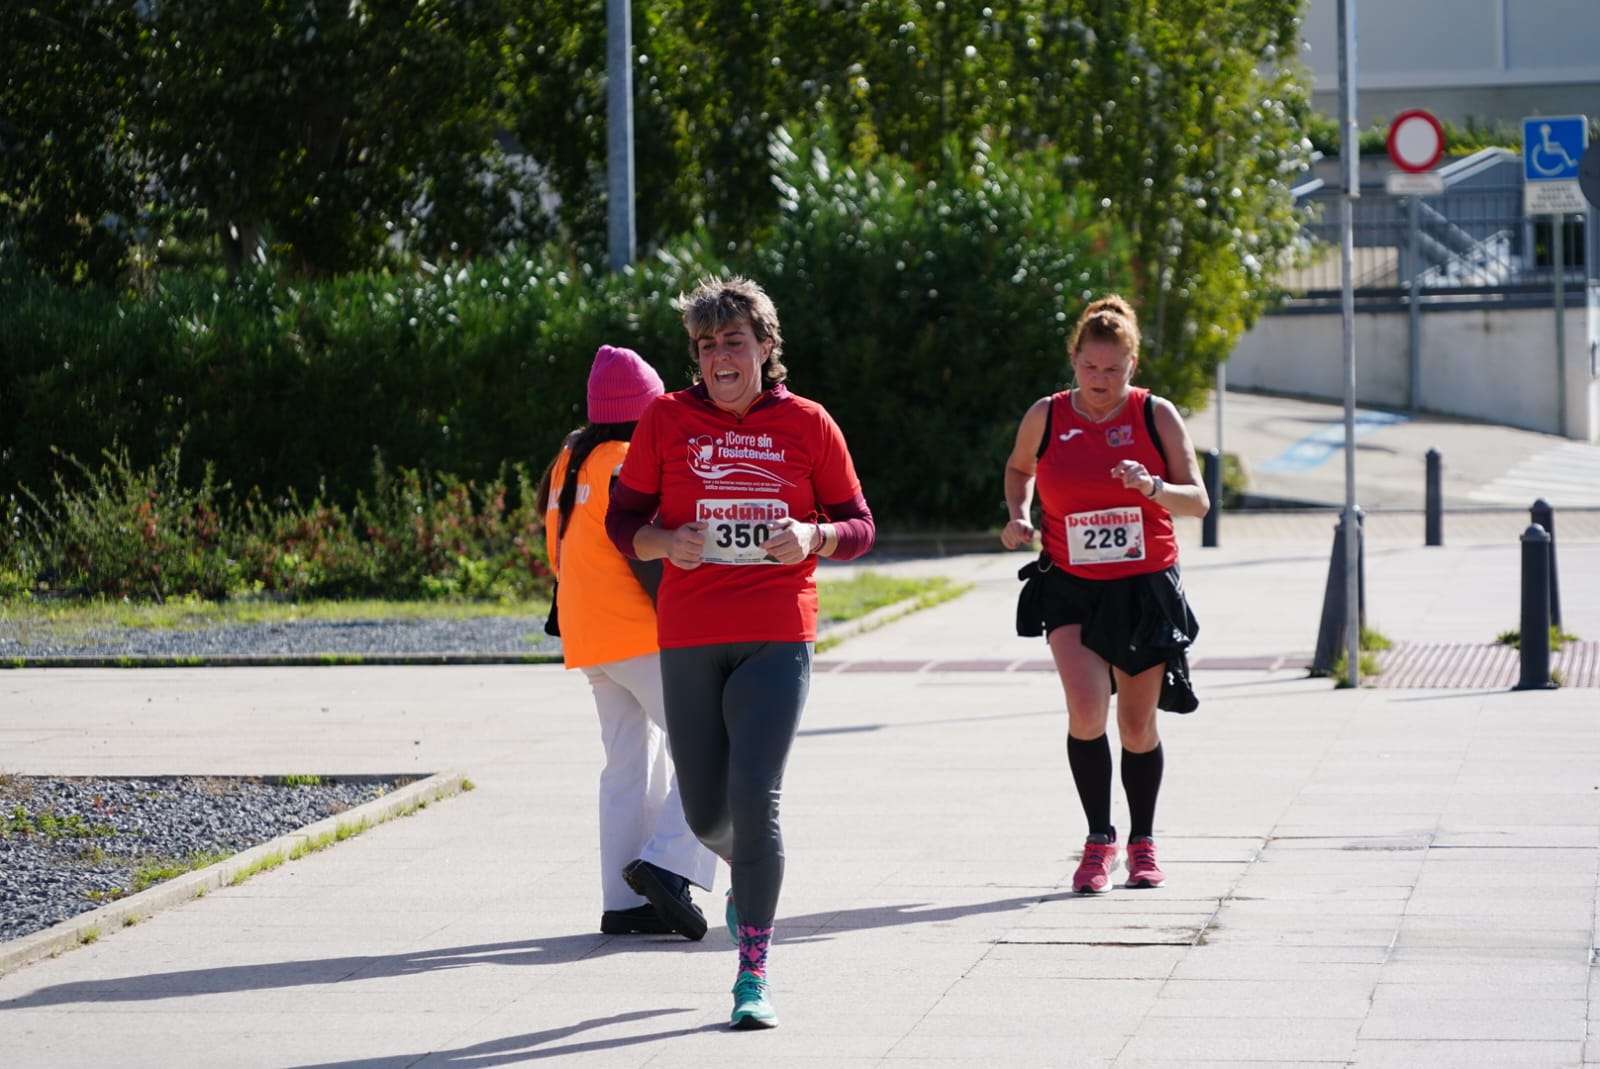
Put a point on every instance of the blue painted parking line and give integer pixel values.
(1317, 447)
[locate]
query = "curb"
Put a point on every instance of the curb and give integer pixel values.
(111, 918)
(291, 660)
(829, 635)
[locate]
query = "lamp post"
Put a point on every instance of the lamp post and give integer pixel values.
(1349, 160)
(619, 133)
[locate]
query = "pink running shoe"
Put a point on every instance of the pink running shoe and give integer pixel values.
(1143, 871)
(1094, 871)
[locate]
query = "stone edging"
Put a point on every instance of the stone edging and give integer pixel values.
(114, 916)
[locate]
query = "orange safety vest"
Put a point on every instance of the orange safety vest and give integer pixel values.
(605, 614)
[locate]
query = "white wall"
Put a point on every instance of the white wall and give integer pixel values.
(1498, 366)
(1495, 60)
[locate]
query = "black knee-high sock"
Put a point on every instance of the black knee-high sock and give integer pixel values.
(1090, 761)
(1141, 779)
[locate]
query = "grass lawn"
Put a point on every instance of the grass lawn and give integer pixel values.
(841, 600)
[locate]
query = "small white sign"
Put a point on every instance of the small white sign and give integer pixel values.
(1553, 198)
(1405, 184)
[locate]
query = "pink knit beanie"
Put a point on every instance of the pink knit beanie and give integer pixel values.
(621, 384)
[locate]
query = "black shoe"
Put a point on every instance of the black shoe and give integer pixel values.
(640, 920)
(669, 894)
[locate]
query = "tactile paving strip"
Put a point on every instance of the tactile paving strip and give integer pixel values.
(1479, 666)
(1459, 665)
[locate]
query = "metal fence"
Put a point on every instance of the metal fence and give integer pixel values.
(1471, 244)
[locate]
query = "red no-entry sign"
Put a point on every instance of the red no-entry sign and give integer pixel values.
(1416, 140)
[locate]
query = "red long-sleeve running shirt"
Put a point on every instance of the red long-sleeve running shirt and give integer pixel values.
(690, 460)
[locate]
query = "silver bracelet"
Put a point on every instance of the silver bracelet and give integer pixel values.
(1156, 486)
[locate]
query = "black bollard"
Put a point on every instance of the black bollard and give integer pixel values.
(1535, 641)
(1434, 498)
(1361, 569)
(1331, 641)
(1213, 477)
(1542, 514)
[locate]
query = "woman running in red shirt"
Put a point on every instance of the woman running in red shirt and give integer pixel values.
(746, 485)
(1106, 593)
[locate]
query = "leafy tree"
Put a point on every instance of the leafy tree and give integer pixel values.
(342, 122)
(1184, 120)
(328, 126)
(70, 191)
(928, 314)
(713, 80)
(322, 127)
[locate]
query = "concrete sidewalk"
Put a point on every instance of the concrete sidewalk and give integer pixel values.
(1292, 451)
(1378, 877)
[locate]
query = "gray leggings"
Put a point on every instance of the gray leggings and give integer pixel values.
(732, 712)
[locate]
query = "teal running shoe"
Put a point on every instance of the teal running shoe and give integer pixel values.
(752, 1003)
(732, 917)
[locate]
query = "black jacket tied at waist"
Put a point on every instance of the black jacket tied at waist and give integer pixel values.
(1133, 623)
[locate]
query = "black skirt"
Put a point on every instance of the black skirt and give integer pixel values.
(1133, 623)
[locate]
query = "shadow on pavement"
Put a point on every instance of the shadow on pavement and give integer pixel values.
(513, 1050)
(307, 972)
(560, 950)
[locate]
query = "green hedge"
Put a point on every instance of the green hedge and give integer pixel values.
(296, 387)
(927, 315)
(924, 313)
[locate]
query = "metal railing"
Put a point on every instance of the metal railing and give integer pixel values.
(1470, 244)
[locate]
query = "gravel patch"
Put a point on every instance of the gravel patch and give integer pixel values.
(70, 845)
(512, 637)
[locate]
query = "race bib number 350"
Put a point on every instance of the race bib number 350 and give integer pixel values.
(737, 531)
(1105, 536)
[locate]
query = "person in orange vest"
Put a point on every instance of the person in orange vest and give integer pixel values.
(605, 605)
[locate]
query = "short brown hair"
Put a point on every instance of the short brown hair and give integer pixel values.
(1109, 319)
(718, 303)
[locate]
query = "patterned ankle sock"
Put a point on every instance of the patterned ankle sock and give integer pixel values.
(753, 946)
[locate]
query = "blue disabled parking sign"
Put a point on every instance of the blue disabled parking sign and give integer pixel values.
(1552, 145)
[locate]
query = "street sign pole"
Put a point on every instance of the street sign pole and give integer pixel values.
(1559, 258)
(621, 230)
(1349, 158)
(1415, 143)
(1552, 184)
(1414, 298)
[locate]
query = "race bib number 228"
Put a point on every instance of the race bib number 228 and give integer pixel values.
(1105, 536)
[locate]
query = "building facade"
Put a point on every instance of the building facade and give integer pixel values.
(1452, 289)
(1487, 61)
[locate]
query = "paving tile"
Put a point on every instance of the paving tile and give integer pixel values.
(1243, 1040)
(1491, 1054)
(1399, 1016)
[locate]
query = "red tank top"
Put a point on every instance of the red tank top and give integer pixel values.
(1095, 527)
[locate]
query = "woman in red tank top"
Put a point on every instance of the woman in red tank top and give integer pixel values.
(1112, 465)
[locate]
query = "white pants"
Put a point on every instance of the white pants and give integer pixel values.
(641, 815)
